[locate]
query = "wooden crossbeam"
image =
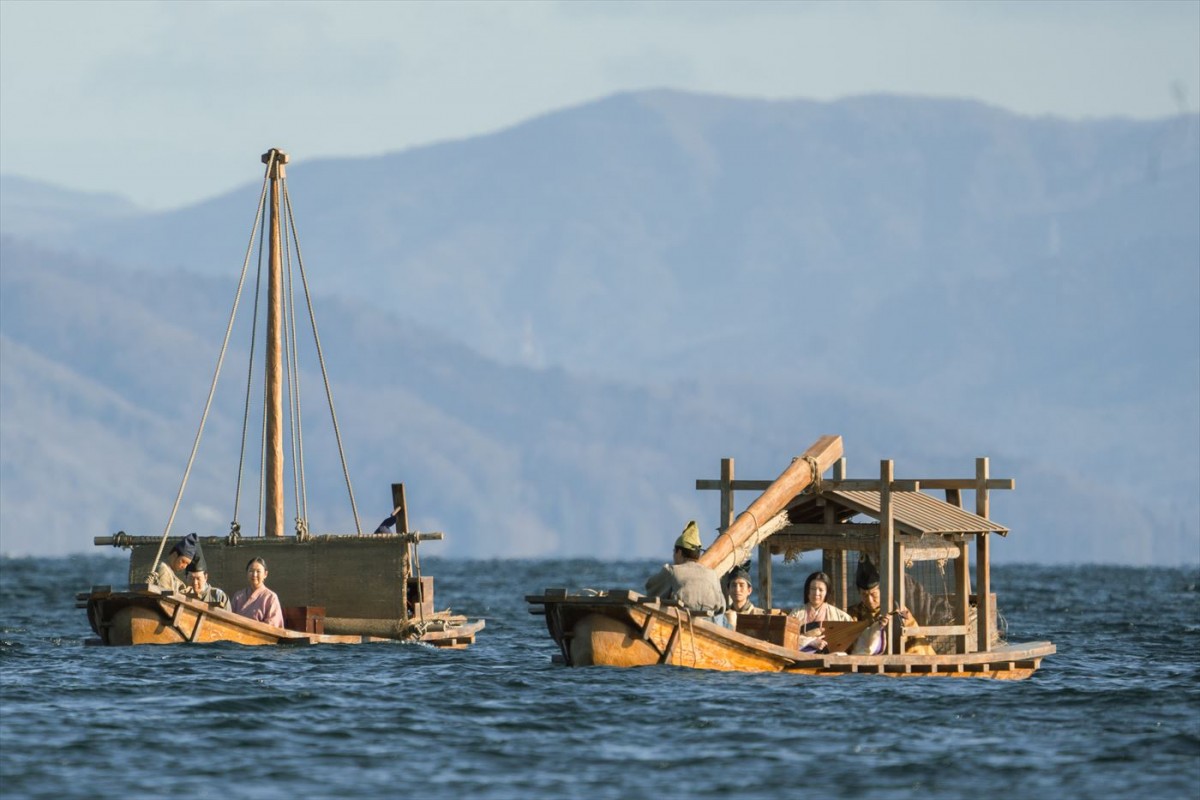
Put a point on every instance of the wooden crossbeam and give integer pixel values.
(867, 484)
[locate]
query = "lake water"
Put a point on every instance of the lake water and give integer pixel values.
(1116, 713)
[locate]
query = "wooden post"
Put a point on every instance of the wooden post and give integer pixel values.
(962, 596)
(898, 625)
(833, 563)
(764, 576)
(273, 461)
(399, 508)
(400, 512)
(887, 550)
(726, 494)
(983, 562)
(838, 563)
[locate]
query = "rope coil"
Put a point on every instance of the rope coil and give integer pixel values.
(815, 469)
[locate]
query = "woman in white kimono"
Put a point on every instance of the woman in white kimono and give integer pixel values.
(816, 612)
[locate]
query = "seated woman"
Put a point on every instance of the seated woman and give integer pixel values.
(201, 589)
(256, 601)
(178, 559)
(815, 612)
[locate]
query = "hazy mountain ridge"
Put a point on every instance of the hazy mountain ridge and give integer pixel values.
(508, 461)
(933, 279)
(33, 208)
(107, 403)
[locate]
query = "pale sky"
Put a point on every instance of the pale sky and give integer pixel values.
(169, 103)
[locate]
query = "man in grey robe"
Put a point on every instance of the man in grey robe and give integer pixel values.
(696, 587)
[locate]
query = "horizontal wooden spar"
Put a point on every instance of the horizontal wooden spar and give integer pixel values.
(847, 484)
(867, 484)
(861, 541)
(851, 529)
(938, 630)
(126, 540)
(965, 483)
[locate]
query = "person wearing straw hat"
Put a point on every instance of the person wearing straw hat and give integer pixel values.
(693, 585)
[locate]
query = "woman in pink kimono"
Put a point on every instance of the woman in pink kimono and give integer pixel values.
(256, 601)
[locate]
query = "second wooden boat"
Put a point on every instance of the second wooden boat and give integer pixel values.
(800, 512)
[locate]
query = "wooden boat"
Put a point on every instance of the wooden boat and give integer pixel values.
(334, 588)
(800, 512)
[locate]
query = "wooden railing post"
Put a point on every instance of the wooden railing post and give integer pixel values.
(983, 562)
(836, 564)
(962, 596)
(887, 550)
(726, 495)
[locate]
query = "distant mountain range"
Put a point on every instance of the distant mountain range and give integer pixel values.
(549, 333)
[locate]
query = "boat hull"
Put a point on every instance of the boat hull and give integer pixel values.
(624, 629)
(150, 616)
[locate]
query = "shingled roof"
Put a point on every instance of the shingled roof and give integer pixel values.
(913, 512)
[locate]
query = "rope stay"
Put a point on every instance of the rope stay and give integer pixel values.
(235, 526)
(213, 386)
(291, 367)
(287, 199)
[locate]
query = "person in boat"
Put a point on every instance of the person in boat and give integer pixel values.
(873, 640)
(256, 601)
(181, 555)
(388, 525)
(740, 590)
(200, 588)
(696, 587)
(816, 612)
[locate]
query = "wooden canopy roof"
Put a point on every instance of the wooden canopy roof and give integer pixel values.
(914, 513)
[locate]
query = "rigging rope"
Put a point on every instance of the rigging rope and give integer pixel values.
(237, 494)
(213, 387)
(287, 198)
(298, 435)
(291, 366)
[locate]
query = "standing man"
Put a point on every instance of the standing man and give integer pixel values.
(696, 587)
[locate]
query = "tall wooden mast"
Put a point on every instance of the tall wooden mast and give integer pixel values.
(273, 460)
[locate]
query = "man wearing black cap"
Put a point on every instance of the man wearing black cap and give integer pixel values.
(200, 588)
(866, 578)
(180, 556)
(696, 587)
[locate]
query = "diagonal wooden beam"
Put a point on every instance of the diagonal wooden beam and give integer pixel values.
(736, 543)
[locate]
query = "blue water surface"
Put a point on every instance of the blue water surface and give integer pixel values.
(1116, 713)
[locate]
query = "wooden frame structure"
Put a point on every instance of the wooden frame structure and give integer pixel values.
(800, 511)
(907, 525)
